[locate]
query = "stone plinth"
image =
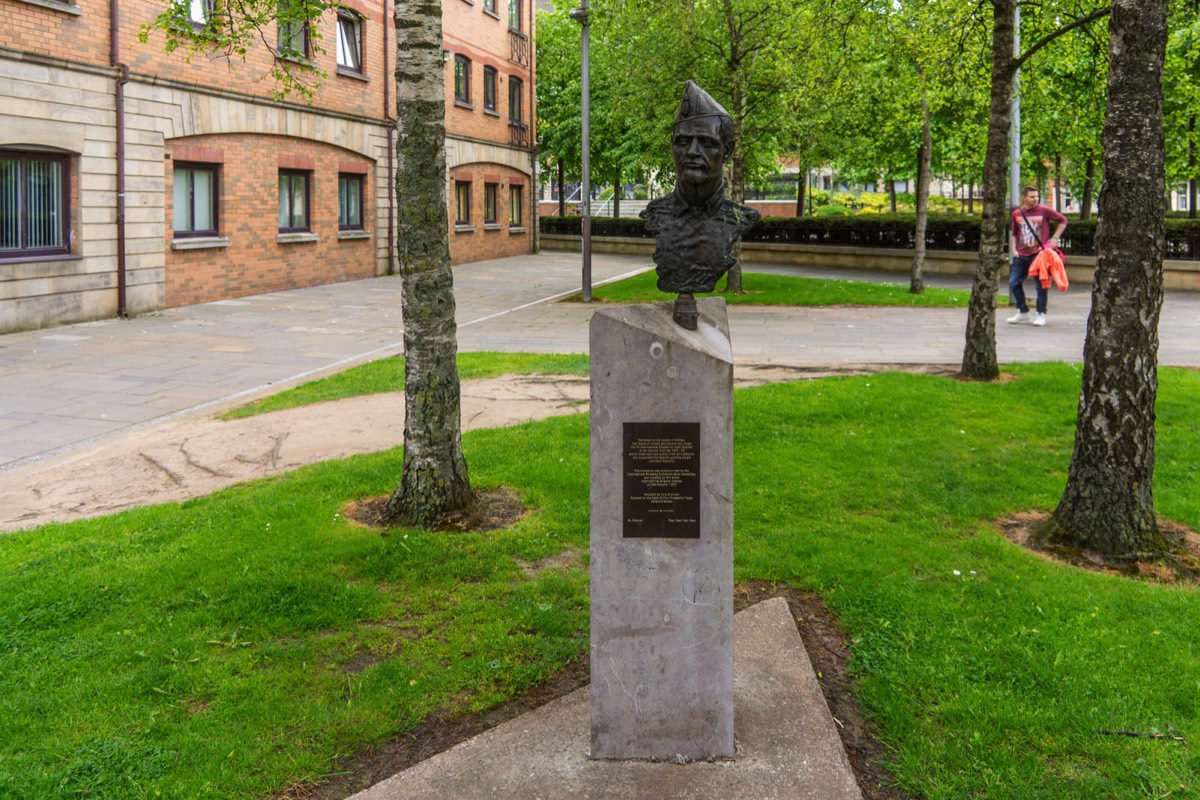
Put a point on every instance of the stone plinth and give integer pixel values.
(661, 534)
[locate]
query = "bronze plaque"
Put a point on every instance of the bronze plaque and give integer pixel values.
(662, 480)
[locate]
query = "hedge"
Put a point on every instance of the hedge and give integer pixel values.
(896, 231)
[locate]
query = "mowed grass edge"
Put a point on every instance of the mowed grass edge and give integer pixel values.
(237, 644)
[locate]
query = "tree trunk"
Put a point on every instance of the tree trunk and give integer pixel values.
(979, 353)
(1089, 181)
(434, 476)
(737, 190)
(801, 186)
(971, 197)
(891, 190)
(1192, 167)
(1058, 182)
(616, 192)
(562, 191)
(916, 282)
(1108, 504)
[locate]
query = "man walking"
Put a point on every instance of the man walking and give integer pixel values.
(1030, 229)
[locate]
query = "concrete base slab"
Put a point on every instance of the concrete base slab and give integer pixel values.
(787, 744)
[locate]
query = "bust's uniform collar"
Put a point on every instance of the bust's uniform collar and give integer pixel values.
(710, 206)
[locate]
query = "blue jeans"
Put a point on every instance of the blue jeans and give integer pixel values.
(1017, 275)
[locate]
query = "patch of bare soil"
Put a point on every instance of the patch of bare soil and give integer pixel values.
(828, 650)
(493, 509)
(1180, 565)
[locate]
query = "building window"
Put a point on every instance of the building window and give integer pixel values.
(34, 204)
(293, 201)
(293, 37)
(462, 79)
(490, 7)
(462, 203)
(200, 11)
(489, 88)
(349, 41)
(350, 202)
(515, 85)
(491, 196)
(514, 15)
(515, 194)
(195, 200)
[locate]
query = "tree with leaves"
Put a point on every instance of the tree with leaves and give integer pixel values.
(434, 480)
(1108, 503)
(979, 352)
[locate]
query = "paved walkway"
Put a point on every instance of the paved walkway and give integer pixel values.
(64, 387)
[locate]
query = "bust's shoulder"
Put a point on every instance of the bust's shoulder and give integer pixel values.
(740, 215)
(657, 211)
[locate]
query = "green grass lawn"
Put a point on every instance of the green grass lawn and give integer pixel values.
(387, 375)
(783, 290)
(233, 645)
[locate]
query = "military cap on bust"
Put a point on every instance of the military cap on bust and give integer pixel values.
(698, 103)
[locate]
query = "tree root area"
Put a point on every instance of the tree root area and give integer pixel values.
(1180, 565)
(493, 509)
(827, 646)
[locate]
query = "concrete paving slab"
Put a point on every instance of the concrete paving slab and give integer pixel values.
(787, 745)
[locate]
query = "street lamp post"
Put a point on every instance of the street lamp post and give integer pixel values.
(581, 16)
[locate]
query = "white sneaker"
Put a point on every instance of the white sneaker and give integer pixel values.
(1021, 316)
(1039, 320)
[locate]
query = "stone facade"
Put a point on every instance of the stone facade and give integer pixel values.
(58, 96)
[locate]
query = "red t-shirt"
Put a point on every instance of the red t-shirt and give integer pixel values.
(1040, 217)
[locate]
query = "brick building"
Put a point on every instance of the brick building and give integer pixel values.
(132, 180)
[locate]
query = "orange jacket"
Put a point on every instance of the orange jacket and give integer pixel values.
(1049, 266)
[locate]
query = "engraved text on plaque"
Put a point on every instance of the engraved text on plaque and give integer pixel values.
(662, 480)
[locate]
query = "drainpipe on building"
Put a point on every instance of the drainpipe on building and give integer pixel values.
(122, 79)
(391, 143)
(535, 206)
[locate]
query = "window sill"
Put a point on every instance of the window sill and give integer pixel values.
(464, 228)
(200, 243)
(346, 72)
(39, 258)
(351, 235)
(492, 113)
(464, 105)
(53, 5)
(493, 226)
(517, 229)
(492, 14)
(297, 238)
(297, 58)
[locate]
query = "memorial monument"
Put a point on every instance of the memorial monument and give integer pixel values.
(662, 475)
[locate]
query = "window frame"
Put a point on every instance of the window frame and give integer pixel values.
(349, 20)
(462, 79)
(514, 16)
(306, 175)
(345, 178)
(491, 76)
(490, 7)
(516, 89)
(214, 210)
(64, 209)
(491, 203)
(516, 205)
(462, 202)
(285, 38)
(206, 9)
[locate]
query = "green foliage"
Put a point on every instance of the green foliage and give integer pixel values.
(235, 28)
(832, 210)
(239, 644)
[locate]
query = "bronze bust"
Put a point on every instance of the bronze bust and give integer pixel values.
(695, 226)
